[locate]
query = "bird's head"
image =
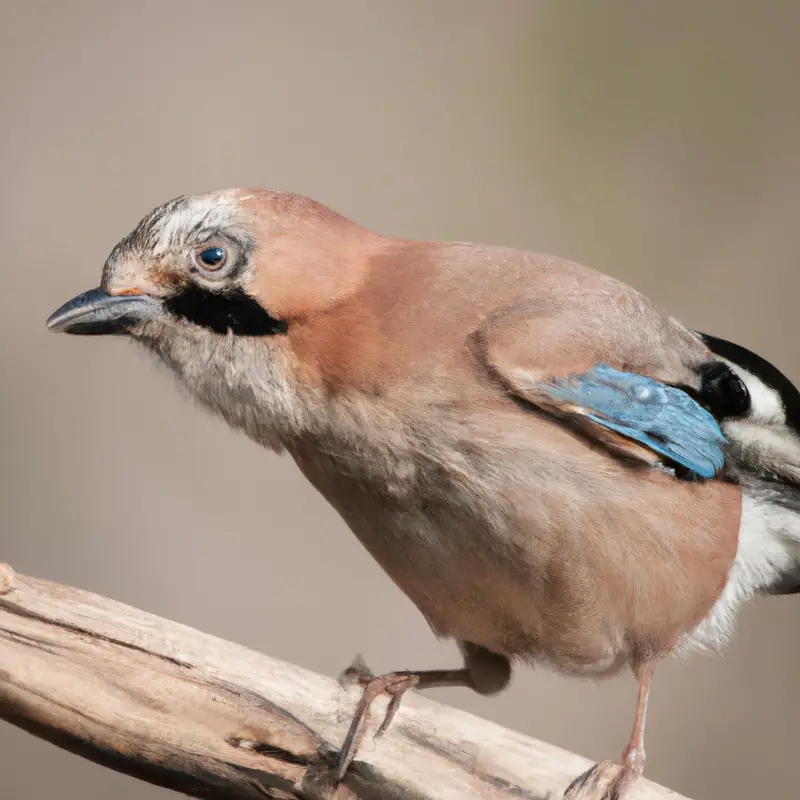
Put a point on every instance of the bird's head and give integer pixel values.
(215, 283)
(241, 262)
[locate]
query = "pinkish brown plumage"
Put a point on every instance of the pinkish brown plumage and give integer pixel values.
(411, 383)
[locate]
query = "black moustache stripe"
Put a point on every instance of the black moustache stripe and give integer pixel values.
(233, 311)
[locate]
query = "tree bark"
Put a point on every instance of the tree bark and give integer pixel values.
(188, 711)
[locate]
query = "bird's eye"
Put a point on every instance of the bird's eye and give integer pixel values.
(211, 258)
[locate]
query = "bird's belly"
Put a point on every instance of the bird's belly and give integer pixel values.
(488, 602)
(582, 571)
(497, 597)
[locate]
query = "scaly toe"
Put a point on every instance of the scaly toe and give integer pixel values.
(604, 781)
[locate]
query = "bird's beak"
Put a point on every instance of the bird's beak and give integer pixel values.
(98, 312)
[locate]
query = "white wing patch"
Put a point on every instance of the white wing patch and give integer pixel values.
(766, 405)
(763, 439)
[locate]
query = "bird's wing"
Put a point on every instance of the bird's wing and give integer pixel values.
(647, 416)
(662, 418)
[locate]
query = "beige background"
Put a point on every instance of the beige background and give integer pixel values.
(657, 142)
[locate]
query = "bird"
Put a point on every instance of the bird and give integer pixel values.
(553, 469)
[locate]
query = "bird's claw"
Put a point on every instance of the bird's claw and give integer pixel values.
(395, 684)
(604, 781)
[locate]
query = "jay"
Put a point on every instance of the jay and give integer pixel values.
(553, 469)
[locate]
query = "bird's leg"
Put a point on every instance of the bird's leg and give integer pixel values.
(615, 780)
(634, 754)
(395, 684)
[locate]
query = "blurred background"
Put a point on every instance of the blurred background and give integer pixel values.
(658, 142)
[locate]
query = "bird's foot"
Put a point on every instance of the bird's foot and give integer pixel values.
(395, 684)
(604, 781)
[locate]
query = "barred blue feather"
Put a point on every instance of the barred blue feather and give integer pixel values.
(663, 418)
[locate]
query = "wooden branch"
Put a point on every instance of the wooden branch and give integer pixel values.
(185, 710)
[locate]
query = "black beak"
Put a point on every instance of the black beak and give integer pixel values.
(98, 312)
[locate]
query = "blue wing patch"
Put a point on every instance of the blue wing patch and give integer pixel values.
(661, 417)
